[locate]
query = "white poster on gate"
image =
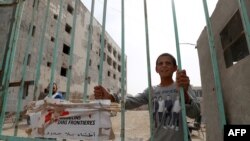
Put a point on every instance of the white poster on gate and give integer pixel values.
(60, 119)
(76, 124)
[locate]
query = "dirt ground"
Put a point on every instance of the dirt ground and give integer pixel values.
(136, 127)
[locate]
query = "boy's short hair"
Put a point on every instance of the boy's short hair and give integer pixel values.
(169, 55)
(54, 83)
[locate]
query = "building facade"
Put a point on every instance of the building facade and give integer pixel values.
(112, 52)
(232, 52)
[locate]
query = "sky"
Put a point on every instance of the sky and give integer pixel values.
(190, 21)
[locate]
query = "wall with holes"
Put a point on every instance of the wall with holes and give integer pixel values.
(233, 62)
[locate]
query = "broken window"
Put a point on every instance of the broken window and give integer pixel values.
(109, 60)
(119, 68)
(63, 71)
(52, 39)
(114, 53)
(28, 60)
(68, 28)
(33, 30)
(70, 9)
(109, 48)
(49, 64)
(55, 16)
(114, 64)
(119, 57)
(108, 73)
(66, 49)
(233, 40)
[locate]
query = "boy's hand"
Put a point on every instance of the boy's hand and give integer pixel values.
(101, 93)
(182, 79)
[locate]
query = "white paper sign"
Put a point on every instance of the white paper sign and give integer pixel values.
(70, 123)
(76, 127)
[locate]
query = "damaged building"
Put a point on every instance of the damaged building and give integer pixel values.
(112, 56)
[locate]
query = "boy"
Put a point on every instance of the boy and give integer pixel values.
(165, 67)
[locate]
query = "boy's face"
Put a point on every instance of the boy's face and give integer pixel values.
(165, 66)
(54, 88)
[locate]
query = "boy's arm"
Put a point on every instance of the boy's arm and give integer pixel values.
(131, 102)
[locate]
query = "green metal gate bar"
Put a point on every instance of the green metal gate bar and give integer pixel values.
(88, 51)
(183, 105)
(55, 50)
(72, 44)
(12, 51)
(122, 134)
(41, 48)
(102, 42)
(215, 67)
(150, 91)
(24, 66)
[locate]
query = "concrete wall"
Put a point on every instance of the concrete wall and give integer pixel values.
(235, 80)
(80, 51)
(6, 13)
